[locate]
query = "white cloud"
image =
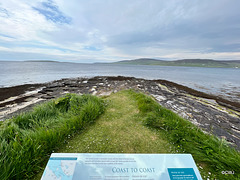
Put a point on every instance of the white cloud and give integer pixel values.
(23, 23)
(114, 30)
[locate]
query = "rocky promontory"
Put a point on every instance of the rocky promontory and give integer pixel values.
(210, 113)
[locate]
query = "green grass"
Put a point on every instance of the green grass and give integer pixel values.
(28, 139)
(212, 153)
(132, 123)
(135, 123)
(118, 130)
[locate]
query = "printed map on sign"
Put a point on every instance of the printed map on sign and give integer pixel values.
(60, 168)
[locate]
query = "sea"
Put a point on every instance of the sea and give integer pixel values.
(224, 82)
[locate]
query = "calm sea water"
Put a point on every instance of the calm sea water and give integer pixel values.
(218, 81)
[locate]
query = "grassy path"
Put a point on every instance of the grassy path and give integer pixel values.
(121, 129)
(118, 130)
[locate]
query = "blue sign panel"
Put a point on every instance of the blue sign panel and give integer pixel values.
(121, 166)
(182, 174)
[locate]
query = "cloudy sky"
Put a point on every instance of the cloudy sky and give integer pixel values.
(111, 30)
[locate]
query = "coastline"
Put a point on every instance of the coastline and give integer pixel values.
(8, 92)
(214, 115)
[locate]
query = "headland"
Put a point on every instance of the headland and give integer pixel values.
(210, 113)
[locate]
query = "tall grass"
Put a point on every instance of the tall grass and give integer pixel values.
(28, 139)
(206, 149)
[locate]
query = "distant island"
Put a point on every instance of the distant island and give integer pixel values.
(41, 61)
(210, 63)
(184, 62)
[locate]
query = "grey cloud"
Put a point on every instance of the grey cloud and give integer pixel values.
(209, 25)
(172, 24)
(134, 27)
(234, 47)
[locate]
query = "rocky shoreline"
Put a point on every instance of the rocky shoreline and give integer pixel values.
(213, 114)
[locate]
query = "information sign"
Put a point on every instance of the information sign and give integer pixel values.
(121, 167)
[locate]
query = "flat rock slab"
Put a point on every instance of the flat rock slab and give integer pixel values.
(214, 115)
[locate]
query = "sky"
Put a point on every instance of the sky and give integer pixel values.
(113, 30)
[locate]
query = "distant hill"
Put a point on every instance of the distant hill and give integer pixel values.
(184, 62)
(40, 61)
(142, 61)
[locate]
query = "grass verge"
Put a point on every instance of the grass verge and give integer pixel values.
(27, 140)
(213, 154)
